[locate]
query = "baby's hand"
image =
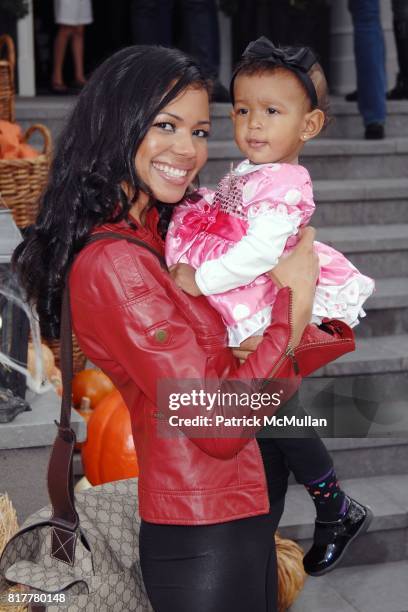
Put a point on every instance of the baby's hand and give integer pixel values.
(246, 347)
(184, 277)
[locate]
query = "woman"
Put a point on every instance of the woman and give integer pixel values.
(137, 136)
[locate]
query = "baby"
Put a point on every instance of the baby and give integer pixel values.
(235, 235)
(232, 237)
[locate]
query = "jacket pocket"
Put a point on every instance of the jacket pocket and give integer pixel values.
(159, 334)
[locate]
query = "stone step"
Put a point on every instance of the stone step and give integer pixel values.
(379, 587)
(381, 354)
(364, 393)
(387, 309)
(377, 250)
(360, 202)
(366, 457)
(326, 158)
(346, 123)
(346, 120)
(353, 457)
(389, 293)
(353, 406)
(387, 536)
(52, 111)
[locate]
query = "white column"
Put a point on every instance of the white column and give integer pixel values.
(224, 23)
(343, 72)
(25, 59)
(342, 67)
(391, 57)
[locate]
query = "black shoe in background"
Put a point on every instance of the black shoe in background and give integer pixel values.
(59, 89)
(374, 131)
(351, 97)
(219, 92)
(332, 539)
(400, 91)
(76, 87)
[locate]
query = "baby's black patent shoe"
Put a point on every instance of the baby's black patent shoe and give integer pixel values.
(331, 539)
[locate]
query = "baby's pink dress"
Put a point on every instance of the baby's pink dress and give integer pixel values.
(236, 234)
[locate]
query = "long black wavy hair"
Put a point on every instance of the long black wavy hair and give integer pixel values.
(94, 156)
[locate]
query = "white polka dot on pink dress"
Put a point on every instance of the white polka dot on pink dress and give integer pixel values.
(293, 197)
(324, 259)
(240, 311)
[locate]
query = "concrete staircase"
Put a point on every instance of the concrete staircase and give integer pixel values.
(370, 588)
(361, 190)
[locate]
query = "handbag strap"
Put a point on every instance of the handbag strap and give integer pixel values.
(64, 519)
(117, 236)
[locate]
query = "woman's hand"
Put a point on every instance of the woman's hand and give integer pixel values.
(184, 277)
(246, 347)
(299, 271)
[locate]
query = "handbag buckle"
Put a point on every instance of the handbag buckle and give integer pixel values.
(63, 543)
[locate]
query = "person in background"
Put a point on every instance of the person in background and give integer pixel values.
(254, 18)
(400, 22)
(369, 51)
(152, 23)
(72, 16)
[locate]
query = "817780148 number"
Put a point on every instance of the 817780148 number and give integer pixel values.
(19, 597)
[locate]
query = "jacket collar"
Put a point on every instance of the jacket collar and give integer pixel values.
(149, 232)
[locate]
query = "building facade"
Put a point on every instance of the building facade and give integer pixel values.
(342, 69)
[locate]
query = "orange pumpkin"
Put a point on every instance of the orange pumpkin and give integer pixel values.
(109, 453)
(55, 378)
(90, 383)
(48, 361)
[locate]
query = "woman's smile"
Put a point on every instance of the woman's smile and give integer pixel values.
(173, 174)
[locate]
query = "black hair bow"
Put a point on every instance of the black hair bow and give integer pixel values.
(297, 59)
(301, 58)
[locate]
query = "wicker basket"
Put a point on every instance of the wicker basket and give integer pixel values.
(8, 527)
(291, 575)
(7, 78)
(22, 180)
(78, 358)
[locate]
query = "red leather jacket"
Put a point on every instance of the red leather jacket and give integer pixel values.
(120, 299)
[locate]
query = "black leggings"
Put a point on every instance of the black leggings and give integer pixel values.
(226, 567)
(306, 457)
(230, 567)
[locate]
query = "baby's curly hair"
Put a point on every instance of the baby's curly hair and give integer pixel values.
(319, 81)
(249, 66)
